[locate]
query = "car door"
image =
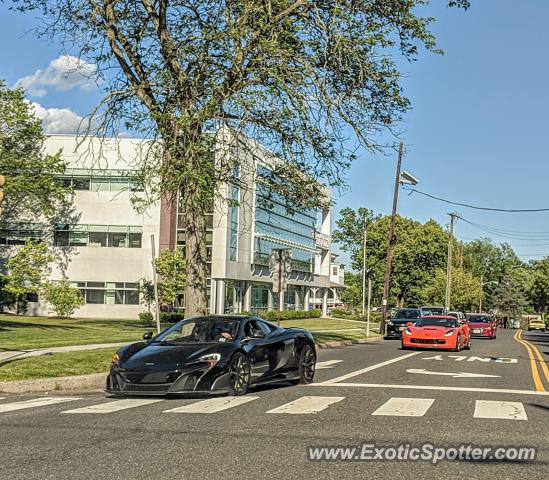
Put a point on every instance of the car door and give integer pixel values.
(257, 346)
(282, 349)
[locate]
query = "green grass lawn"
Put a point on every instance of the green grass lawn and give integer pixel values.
(58, 365)
(333, 330)
(18, 332)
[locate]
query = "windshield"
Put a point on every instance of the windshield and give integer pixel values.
(408, 313)
(432, 310)
(437, 322)
(201, 330)
(478, 319)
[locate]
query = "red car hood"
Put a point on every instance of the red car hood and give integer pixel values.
(430, 330)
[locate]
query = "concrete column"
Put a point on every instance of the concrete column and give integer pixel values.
(213, 297)
(270, 300)
(324, 302)
(306, 300)
(296, 299)
(220, 295)
(248, 297)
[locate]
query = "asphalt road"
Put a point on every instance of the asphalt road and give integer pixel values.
(365, 394)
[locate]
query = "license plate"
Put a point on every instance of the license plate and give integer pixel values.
(477, 330)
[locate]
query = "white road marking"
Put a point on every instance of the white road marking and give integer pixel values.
(2, 398)
(212, 405)
(35, 402)
(306, 405)
(423, 371)
(368, 369)
(114, 406)
(430, 387)
(405, 407)
(327, 364)
(500, 410)
(460, 358)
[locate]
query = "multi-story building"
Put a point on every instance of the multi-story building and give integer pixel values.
(110, 244)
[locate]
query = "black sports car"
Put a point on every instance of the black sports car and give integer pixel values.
(398, 321)
(213, 354)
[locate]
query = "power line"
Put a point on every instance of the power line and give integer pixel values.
(476, 207)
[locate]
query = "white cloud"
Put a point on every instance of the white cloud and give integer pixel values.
(57, 120)
(64, 73)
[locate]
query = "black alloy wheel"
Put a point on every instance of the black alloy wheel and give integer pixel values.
(239, 374)
(307, 364)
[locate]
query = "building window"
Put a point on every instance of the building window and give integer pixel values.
(82, 179)
(109, 293)
(19, 233)
(116, 236)
(334, 271)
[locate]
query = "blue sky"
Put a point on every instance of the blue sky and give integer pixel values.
(475, 134)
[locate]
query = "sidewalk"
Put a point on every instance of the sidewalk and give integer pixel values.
(9, 355)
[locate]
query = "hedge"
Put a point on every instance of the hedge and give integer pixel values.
(165, 317)
(290, 314)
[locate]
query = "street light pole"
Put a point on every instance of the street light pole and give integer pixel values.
(390, 241)
(363, 264)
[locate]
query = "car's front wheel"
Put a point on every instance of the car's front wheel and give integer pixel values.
(239, 374)
(458, 344)
(307, 364)
(468, 346)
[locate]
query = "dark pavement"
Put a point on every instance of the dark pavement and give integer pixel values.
(248, 441)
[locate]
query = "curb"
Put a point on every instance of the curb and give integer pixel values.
(346, 343)
(95, 381)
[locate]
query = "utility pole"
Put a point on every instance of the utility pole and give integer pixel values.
(364, 238)
(461, 256)
(453, 217)
(390, 241)
(481, 293)
(369, 309)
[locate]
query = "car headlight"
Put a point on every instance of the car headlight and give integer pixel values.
(449, 333)
(115, 359)
(408, 331)
(389, 322)
(211, 358)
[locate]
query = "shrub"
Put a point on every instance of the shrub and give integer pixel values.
(146, 318)
(290, 314)
(171, 317)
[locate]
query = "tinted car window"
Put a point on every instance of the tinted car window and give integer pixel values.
(199, 330)
(407, 313)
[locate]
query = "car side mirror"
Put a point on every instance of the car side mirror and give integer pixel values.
(147, 335)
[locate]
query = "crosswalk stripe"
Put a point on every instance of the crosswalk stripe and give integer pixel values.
(306, 405)
(114, 406)
(212, 405)
(500, 410)
(327, 364)
(405, 407)
(35, 402)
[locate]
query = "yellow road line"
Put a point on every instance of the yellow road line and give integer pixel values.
(535, 374)
(542, 362)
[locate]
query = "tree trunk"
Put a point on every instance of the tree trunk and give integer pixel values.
(196, 291)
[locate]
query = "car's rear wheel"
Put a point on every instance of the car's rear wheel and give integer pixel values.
(239, 374)
(468, 346)
(307, 364)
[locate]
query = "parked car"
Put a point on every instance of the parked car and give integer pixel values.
(482, 325)
(439, 332)
(459, 315)
(397, 323)
(536, 323)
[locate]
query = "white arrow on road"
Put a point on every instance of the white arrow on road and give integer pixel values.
(449, 374)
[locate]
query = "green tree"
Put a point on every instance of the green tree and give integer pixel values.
(538, 290)
(465, 294)
(63, 298)
(509, 298)
(352, 295)
(170, 266)
(27, 270)
(146, 290)
(292, 75)
(419, 250)
(33, 189)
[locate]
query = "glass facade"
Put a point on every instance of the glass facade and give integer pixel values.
(276, 227)
(116, 236)
(101, 180)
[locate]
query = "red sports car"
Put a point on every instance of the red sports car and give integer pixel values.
(482, 325)
(439, 332)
